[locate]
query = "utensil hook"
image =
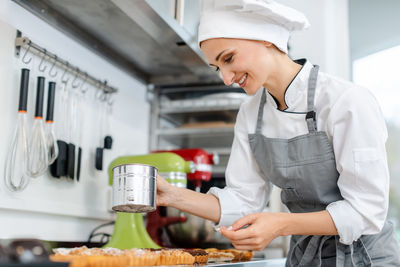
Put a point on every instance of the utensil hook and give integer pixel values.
(75, 82)
(63, 76)
(53, 69)
(24, 57)
(42, 67)
(84, 90)
(110, 100)
(101, 93)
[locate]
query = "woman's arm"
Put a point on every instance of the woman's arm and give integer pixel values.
(203, 205)
(264, 227)
(311, 223)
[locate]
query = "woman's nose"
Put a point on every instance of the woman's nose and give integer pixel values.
(227, 76)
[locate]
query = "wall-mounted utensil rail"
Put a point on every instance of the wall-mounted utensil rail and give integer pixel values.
(57, 62)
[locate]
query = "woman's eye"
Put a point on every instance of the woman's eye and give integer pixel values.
(228, 59)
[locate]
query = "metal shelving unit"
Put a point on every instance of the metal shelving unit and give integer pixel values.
(201, 117)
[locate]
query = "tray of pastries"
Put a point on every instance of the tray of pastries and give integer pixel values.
(112, 257)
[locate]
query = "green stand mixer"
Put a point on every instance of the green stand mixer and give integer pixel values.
(134, 188)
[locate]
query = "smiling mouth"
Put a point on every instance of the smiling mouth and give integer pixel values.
(243, 80)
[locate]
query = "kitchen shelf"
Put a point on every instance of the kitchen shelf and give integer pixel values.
(195, 131)
(185, 117)
(205, 137)
(205, 108)
(189, 105)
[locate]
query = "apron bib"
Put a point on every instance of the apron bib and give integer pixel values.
(304, 168)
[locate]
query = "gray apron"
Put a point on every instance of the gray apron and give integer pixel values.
(304, 168)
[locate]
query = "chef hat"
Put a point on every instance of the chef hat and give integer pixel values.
(263, 20)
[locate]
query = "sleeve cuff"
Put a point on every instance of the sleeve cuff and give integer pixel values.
(349, 223)
(229, 211)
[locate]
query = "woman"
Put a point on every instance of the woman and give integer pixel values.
(318, 138)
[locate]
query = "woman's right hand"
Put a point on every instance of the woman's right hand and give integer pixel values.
(203, 205)
(165, 192)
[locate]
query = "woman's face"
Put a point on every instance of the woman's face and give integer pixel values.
(245, 62)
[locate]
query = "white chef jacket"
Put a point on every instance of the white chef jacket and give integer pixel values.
(354, 123)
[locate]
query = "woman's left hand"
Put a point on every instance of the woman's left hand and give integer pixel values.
(262, 229)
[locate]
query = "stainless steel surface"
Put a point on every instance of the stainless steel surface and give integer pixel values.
(193, 232)
(206, 137)
(198, 104)
(56, 61)
(134, 188)
(132, 35)
(177, 111)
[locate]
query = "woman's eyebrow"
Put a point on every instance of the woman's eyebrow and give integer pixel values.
(219, 55)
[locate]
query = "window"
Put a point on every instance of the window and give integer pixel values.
(381, 74)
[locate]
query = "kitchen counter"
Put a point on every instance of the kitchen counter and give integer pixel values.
(253, 263)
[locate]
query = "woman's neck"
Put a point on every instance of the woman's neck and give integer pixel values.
(277, 83)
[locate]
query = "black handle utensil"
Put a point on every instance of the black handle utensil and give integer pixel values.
(38, 157)
(59, 167)
(16, 167)
(52, 146)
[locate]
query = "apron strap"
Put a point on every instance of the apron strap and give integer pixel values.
(261, 112)
(358, 253)
(310, 116)
(312, 84)
(312, 254)
(340, 252)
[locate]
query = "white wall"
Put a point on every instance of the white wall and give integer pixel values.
(326, 42)
(59, 209)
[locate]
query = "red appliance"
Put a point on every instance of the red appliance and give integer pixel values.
(156, 222)
(202, 160)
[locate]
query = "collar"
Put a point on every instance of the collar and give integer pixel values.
(296, 93)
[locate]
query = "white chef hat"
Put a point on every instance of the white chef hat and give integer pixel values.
(263, 20)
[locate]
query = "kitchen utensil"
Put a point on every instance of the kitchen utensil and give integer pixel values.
(78, 164)
(164, 162)
(80, 123)
(108, 110)
(38, 157)
(17, 157)
(99, 158)
(50, 135)
(134, 188)
(59, 167)
(129, 232)
(28, 251)
(202, 160)
(71, 133)
(194, 230)
(99, 150)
